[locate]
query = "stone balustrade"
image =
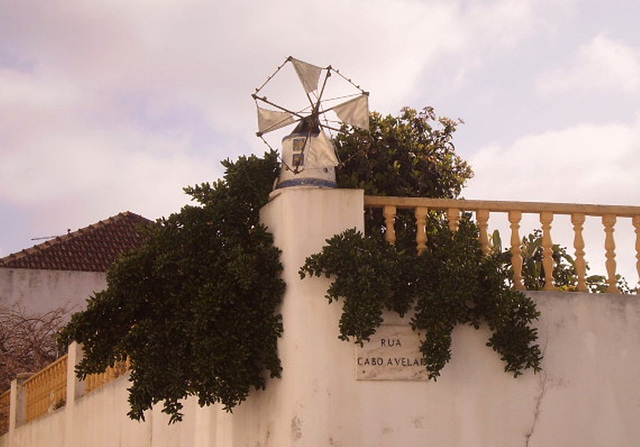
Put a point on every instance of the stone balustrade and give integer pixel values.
(33, 396)
(5, 405)
(95, 381)
(482, 209)
(46, 390)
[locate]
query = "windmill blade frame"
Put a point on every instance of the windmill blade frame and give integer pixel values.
(308, 156)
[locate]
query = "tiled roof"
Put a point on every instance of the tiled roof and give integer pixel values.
(90, 249)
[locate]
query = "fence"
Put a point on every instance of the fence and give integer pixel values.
(5, 403)
(578, 353)
(95, 381)
(546, 211)
(46, 391)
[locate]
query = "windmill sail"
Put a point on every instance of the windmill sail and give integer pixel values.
(308, 74)
(269, 120)
(354, 112)
(320, 152)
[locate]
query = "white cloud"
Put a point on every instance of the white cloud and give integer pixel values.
(604, 65)
(211, 55)
(66, 151)
(96, 170)
(117, 105)
(19, 90)
(581, 164)
(483, 32)
(117, 91)
(501, 23)
(76, 176)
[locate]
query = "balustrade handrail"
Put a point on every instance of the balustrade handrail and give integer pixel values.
(546, 211)
(502, 206)
(44, 370)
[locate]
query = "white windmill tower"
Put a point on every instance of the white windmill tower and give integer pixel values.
(308, 156)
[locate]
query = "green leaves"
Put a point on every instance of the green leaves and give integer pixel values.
(195, 307)
(357, 263)
(411, 155)
(565, 273)
(450, 283)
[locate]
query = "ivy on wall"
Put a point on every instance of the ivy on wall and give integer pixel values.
(450, 283)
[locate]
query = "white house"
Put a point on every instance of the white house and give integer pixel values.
(65, 271)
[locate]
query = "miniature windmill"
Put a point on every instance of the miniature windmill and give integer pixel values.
(308, 156)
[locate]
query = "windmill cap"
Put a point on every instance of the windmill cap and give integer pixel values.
(308, 125)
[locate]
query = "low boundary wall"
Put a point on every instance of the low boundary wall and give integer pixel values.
(586, 395)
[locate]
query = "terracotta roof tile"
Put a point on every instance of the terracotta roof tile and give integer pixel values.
(90, 249)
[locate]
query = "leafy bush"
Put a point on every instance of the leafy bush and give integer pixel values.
(411, 155)
(194, 308)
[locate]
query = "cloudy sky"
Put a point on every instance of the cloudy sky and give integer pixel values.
(114, 106)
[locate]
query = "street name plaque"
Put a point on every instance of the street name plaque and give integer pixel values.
(393, 353)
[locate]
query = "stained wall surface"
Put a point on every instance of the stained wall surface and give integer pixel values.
(40, 291)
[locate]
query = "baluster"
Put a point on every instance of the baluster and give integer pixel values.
(453, 215)
(483, 226)
(389, 212)
(546, 217)
(47, 391)
(96, 381)
(636, 225)
(421, 223)
(516, 250)
(609, 220)
(51, 385)
(32, 397)
(577, 219)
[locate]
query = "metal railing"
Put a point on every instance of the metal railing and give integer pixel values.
(546, 212)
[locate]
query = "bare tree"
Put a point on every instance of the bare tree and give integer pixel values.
(27, 341)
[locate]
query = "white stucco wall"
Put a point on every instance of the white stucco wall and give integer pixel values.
(39, 291)
(587, 394)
